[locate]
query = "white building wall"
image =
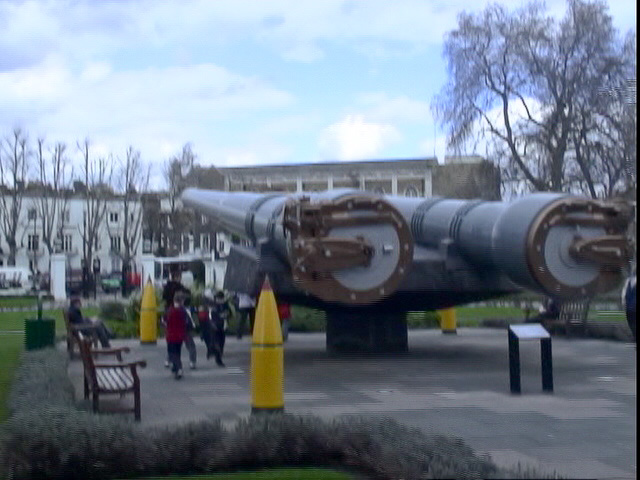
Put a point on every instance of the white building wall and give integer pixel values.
(73, 228)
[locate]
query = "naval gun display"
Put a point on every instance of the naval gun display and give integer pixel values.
(359, 252)
(355, 248)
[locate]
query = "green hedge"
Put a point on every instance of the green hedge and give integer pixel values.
(304, 319)
(47, 437)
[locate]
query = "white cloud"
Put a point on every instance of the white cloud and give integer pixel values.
(353, 138)
(381, 107)
(299, 31)
(95, 71)
(156, 110)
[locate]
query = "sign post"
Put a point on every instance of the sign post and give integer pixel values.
(529, 332)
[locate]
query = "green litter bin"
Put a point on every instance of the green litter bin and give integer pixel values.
(39, 333)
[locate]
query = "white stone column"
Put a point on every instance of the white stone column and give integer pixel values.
(219, 269)
(394, 184)
(330, 182)
(58, 280)
(148, 269)
(209, 273)
(299, 184)
(428, 190)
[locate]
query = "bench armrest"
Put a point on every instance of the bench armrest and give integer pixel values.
(141, 363)
(110, 351)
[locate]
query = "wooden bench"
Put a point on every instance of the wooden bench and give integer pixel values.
(573, 315)
(73, 332)
(114, 377)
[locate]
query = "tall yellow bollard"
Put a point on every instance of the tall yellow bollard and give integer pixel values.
(267, 359)
(448, 320)
(148, 315)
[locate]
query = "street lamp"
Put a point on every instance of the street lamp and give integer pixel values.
(96, 272)
(34, 247)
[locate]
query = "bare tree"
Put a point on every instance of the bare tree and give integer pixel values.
(14, 156)
(177, 170)
(53, 199)
(528, 84)
(97, 173)
(132, 180)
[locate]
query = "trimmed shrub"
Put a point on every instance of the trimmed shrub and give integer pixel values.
(132, 309)
(428, 319)
(304, 319)
(41, 379)
(61, 442)
(124, 329)
(274, 440)
(187, 449)
(113, 310)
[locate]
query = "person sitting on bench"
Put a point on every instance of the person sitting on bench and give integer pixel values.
(88, 326)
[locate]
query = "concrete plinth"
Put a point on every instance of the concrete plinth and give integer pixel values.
(366, 333)
(58, 283)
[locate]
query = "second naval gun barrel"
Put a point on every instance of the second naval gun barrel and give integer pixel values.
(355, 248)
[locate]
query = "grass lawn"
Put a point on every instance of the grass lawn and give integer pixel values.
(11, 345)
(273, 474)
(12, 321)
(6, 302)
(473, 316)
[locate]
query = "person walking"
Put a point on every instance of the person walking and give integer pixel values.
(246, 307)
(176, 331)
(220, 313)
(174, 285)
(206, 328)
(189, 343)
(629, 302)
(284, 312)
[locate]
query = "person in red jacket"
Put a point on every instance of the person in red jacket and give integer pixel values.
(176, 330)
(284, 312)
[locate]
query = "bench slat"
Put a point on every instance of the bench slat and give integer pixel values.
(114, 379)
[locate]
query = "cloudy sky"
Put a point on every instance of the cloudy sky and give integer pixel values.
(245, 81)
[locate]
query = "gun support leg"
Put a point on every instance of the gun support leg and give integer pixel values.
(366, 332)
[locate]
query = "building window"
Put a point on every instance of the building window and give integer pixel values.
(32, 243)
(185, 244)
(67, 243)
(32, 214)
(411, 191)
(113, 217)
(204, 242)
(115, 244)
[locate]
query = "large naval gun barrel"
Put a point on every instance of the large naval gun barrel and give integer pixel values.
(357, 248)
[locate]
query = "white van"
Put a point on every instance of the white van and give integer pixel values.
(15, 280)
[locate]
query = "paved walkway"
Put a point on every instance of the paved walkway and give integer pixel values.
(451, 384)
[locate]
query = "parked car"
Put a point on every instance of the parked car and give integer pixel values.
(111, 282)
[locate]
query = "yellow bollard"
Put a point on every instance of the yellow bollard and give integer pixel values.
(448, 320)
(148, 315)
(267, 359)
